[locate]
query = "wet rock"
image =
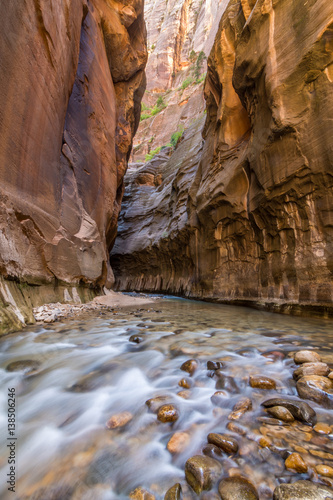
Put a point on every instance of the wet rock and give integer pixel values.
(324, 470)
(119, 420)
(29, 366)
(212, 451)
(237, 488)
(136, 339)
(167, 413)
(184, 382)
(296, 462)
(281, 413)
(248, 352)
(232, 427)
(270, 421)
(307, 357)
(311, 369)
(227, 383)
(240, 408)
(178, 442)
(274, 355)
(299, 409)
(155, 403)
(184, 394)
(174, 493)
(316, 388)
(214, 365)
(190, 366)
(223, 441)
(322, 428)
(302, 490)
(141, 494)
(201, 472)
(219, 398)
(330, 375)
(261, 382)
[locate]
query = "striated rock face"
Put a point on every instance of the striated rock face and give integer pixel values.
(247, 214)
(71, 82)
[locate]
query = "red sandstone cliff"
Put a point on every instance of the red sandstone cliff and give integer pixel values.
(247, 214)
(71, 82)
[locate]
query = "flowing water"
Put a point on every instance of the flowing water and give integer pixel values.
(89, 371)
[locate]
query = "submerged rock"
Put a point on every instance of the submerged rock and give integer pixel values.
(307, 357)
(212, 451)
(240, 408)
(136, 339)
(201, 472)
(302, 490)
(227, 383)
(174, 493)
(296, 462)
(261, 382)
(214, 365)
(219, 398)
(223, 441)
(155, 403)
(281, 413)
(178, 442)
(316, 388)
(119, 420)
(299, 409)
(237, 488)
(168, 413)
(190, 366)
(141, 494)
(29, 366)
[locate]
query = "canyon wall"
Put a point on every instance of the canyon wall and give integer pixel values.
(244, 214)
(71, 82)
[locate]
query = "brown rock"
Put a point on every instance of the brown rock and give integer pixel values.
(178, 442)
(296, 462)
(214, 365)
(324, 470)
(167, 413)
(237, 488)
(281, 413)
(136, 339)
(231, 426)
(223, 441)
(322, 428)
(212, 451)
(240, 408)
(219, 398)
(311, 369)
(227, 383)
(299, 409)
(155, 403)
(184, 394)
(190, 366)
(307, 357)
(174, 493)
(202, 472)
(141, 494)
(316, 388)
(29, 366)
(184, 382)
(302, 490)
(119, 420)
(261, 382)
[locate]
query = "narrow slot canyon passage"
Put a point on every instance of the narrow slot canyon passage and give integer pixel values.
(166, 250)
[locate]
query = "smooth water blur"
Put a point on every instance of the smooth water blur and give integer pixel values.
(90, 371)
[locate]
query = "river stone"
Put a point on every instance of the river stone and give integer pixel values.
(322, 428)
(324, 470)
(261, 382)
(223, 441)
(167, 413)
(226, 383)
(201, 472)
(296, 462)
(185, 394)
(185, 383)
(174, 493)
(281, 413)
(154, 404)
(178, 442)
(299, 409)
(240, 408)
(274, 355)
(302, 490)
(190, 366)
(330, 375)
(212, 451)
(136, 339)
(214, 365)
(311, 369)
(119, 420)
(237, 488)
(316, 388)
(219, 398)
(141, 494)
(306, 357)
(28, 365)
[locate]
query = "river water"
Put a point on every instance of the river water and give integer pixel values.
(88, 371)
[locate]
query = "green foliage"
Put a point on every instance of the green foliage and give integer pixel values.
(192, 55)
(176, 136)
(143, 107)
(152, 153)
(144, 116)
(201, 57)
(160, 102)
(188, 81)
(201, 79)
(153, 47)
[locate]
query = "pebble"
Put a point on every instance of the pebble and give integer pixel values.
(324, 470)
(223, 441)
(227, 383)
(281, 413)
(323, 428)
(237, 488)
(232, 427)
(201, 472)
(136, 339)
(190, 366)
(240, 408)
(330, 375)
(167, 413)
(219, 398)
(311, 369)
(119, 420)
(261, 382)
(296, 462)
(302, 490)
(174, 493)
(178, 442)
(141, 494)
(317, 388)
(184, 394)
(299, 409)
(185, 383)
(307, 357)
(29, 366)
(214, 365)
(155, 403)
(210, 450)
